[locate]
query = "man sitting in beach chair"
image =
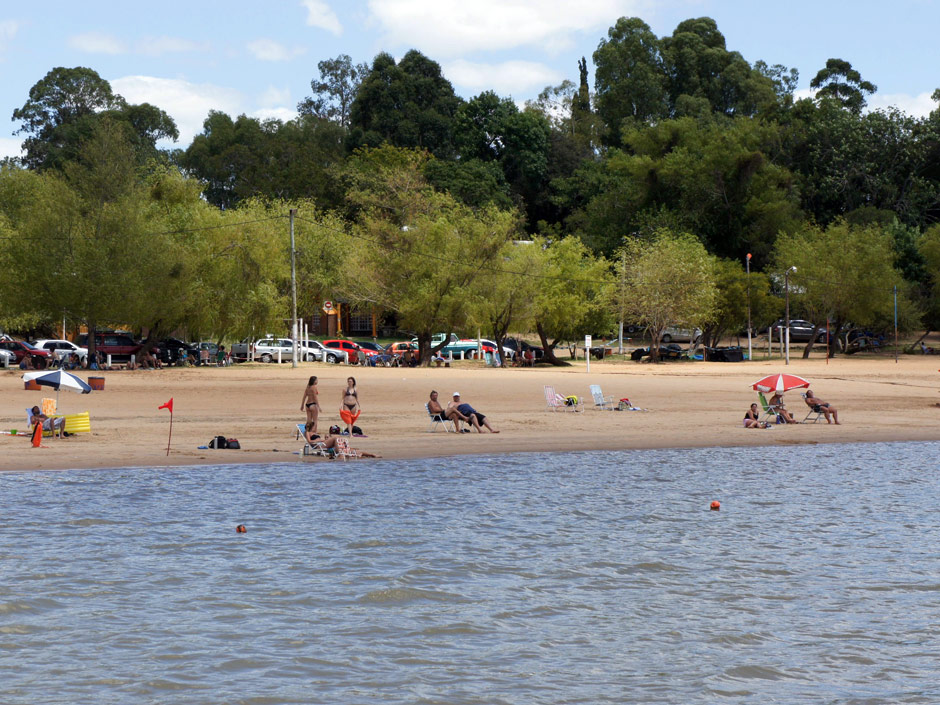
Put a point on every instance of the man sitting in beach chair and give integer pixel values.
(817, 406)
(54, 426)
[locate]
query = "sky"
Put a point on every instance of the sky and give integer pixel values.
(258, 58)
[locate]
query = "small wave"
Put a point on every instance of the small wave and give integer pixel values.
(369, 543)
(94, 522)
(399, 595)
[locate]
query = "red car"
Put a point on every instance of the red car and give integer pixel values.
(21, 349)
(355, 352)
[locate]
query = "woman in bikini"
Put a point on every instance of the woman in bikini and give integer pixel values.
(350, 403)
(311, 404)
(751, 418)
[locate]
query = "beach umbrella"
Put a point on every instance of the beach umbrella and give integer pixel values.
(58, 379)
(779, 383)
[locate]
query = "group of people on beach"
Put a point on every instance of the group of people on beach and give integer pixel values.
(349, 412)
(777, 406)
(459, 412)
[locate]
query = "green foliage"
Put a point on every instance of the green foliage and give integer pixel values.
(246, 158)
(843, 273)
(666, 281)
(65, 108)
(334, 93)
(409, 104)
(735, 291)
(841, 83)
(573, 296)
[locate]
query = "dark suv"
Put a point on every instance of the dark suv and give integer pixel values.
(170, 349)
(118, 345)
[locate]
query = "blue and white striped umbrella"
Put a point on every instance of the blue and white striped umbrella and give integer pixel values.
(58, 379)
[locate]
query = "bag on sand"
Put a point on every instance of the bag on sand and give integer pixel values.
(219, 442)
(571, 400)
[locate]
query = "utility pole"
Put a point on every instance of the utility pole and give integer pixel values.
(748, 261)
(786, 278)
(293, 289)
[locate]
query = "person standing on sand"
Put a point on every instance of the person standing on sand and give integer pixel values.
(311, 403)
(349, 410)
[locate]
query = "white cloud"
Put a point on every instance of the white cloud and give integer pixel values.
(455, 27)
(275, 96)
(282, 114)
(8, 30)
(97, 43)
(187, 103)
(270, 50)
(914, 105)
(157, 46)
(319, 14)
(508, 78)
(10, 147)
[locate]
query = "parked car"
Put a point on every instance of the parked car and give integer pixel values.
(352, 350)
(517, 345)
(21, 349)
(368, 345)
(318, 351)
(681, 335)
(119, 346)
(800, 331)
(61, 349)
(400, 347)
(7, 358)
(171, 349)
(507, 354)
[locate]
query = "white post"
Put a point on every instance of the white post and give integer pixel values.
(587, 351)
(133, 359)
(109, 360)
(770, 341)
(279, 354)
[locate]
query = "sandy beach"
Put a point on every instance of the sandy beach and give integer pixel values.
(690, 405)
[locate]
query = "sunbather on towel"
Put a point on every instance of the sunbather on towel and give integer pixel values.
(821, 407)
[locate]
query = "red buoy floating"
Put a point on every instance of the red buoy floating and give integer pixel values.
(241, 529)
(715, 506)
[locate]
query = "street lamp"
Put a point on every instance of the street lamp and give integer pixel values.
(750, 356)
(786, 279)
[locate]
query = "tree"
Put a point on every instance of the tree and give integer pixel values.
(630, 77)
(334, 93)
(248, 158)
(843, 274)
(64, 108)
(571, 300)
(734, 291)
(417, 252)
(669, 281)
(409, 104)
(840, 82)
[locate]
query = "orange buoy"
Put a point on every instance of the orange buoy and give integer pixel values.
(715, 506)
(241, 529)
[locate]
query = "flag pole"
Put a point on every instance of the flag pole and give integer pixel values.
(169, 406)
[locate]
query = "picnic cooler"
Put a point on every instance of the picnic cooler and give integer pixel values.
(32, 385)
(96, 383)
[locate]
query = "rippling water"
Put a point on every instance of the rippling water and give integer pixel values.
(579, 578)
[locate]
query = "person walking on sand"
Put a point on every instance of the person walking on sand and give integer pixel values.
(822, 407)
(311, 403)
(473, 416)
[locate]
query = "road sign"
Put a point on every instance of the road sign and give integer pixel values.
(327, 307)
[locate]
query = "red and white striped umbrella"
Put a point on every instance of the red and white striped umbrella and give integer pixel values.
(779, 383)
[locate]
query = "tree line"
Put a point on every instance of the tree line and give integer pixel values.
(633, 199)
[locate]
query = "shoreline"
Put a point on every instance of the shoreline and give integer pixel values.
(691, 405)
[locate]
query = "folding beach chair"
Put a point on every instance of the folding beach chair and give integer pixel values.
(600, 401)
(344, 451)
(770, 411)
(439, 419)
(814, 415)
(556, 401)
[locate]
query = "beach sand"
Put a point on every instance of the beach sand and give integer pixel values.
(690, 405)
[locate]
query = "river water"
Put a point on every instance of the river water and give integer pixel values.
(536, 578)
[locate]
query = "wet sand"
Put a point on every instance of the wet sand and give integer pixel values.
(689, 405)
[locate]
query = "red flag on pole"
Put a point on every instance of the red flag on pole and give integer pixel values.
(168, 405)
